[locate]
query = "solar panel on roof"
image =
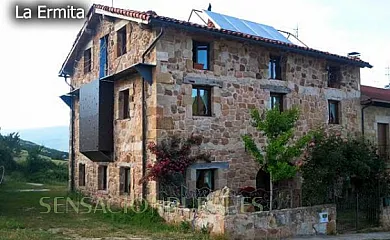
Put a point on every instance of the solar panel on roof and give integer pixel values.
(244, 26)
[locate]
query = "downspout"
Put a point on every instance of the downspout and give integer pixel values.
(152, 44)
(72, 155)
(364, 107)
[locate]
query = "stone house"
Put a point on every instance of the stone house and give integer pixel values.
(137, 77)
(376, 117)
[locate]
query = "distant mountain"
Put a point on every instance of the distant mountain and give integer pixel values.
(48, 152)
(51, 137)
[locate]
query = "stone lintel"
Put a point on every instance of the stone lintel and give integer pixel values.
(203, 81)
(276, 88)
(212, 165)
(103, 163)
(125, 164)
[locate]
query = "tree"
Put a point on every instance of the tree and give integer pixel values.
(282, 148)
(9, 148)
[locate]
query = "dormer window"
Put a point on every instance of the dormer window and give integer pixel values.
(201, 55)
(87, 60)
(274, 68)
(334, 76)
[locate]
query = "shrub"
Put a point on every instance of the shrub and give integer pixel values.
(332, 162)
(39, 169)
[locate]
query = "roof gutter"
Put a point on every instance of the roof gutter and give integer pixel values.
(265, 44)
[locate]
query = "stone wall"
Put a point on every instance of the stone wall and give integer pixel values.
(238, 80)
(384, 218)
(373, 116)
(227, 215)
(281, 223)
(127, 132)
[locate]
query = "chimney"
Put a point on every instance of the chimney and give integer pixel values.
(354, 55)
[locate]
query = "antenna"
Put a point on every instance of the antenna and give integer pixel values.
(296, 31)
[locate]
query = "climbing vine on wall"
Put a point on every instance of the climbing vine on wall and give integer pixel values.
(173, 157)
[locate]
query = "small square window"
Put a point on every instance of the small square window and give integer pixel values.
(102, 177)
(276, 101)
(81, 174)
(124, 184)
(334, 117)
(334, 77)
(124, 110)
(205, 178)
(87, 60)
(121, 41)
(201, 55)
(201, 101)
(274, 68)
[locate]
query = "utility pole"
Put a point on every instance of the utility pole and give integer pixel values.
(388, 77)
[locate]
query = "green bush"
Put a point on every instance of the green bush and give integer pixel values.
(334, 163)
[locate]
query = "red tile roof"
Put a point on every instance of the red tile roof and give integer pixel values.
(375, 94)
(152, 17)
(149, 17)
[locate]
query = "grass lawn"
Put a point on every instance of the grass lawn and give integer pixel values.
(22, 217)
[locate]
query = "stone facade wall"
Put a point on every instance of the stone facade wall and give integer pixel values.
(372, 116)
(127, 132)
(238, 77)
(238, 81)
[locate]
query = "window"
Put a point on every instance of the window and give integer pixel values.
(205, 178)
(102, 177)
(276, 100)
(274, 68)
(124, 110)
(121, 41)
(334, 77)
(201, 55)
(334, 112)
(87, 60)
(81, 174)
(201, 101)
(383, 140)
(124, 184)
(103, 71)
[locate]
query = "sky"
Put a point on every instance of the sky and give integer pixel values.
(32, 53)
